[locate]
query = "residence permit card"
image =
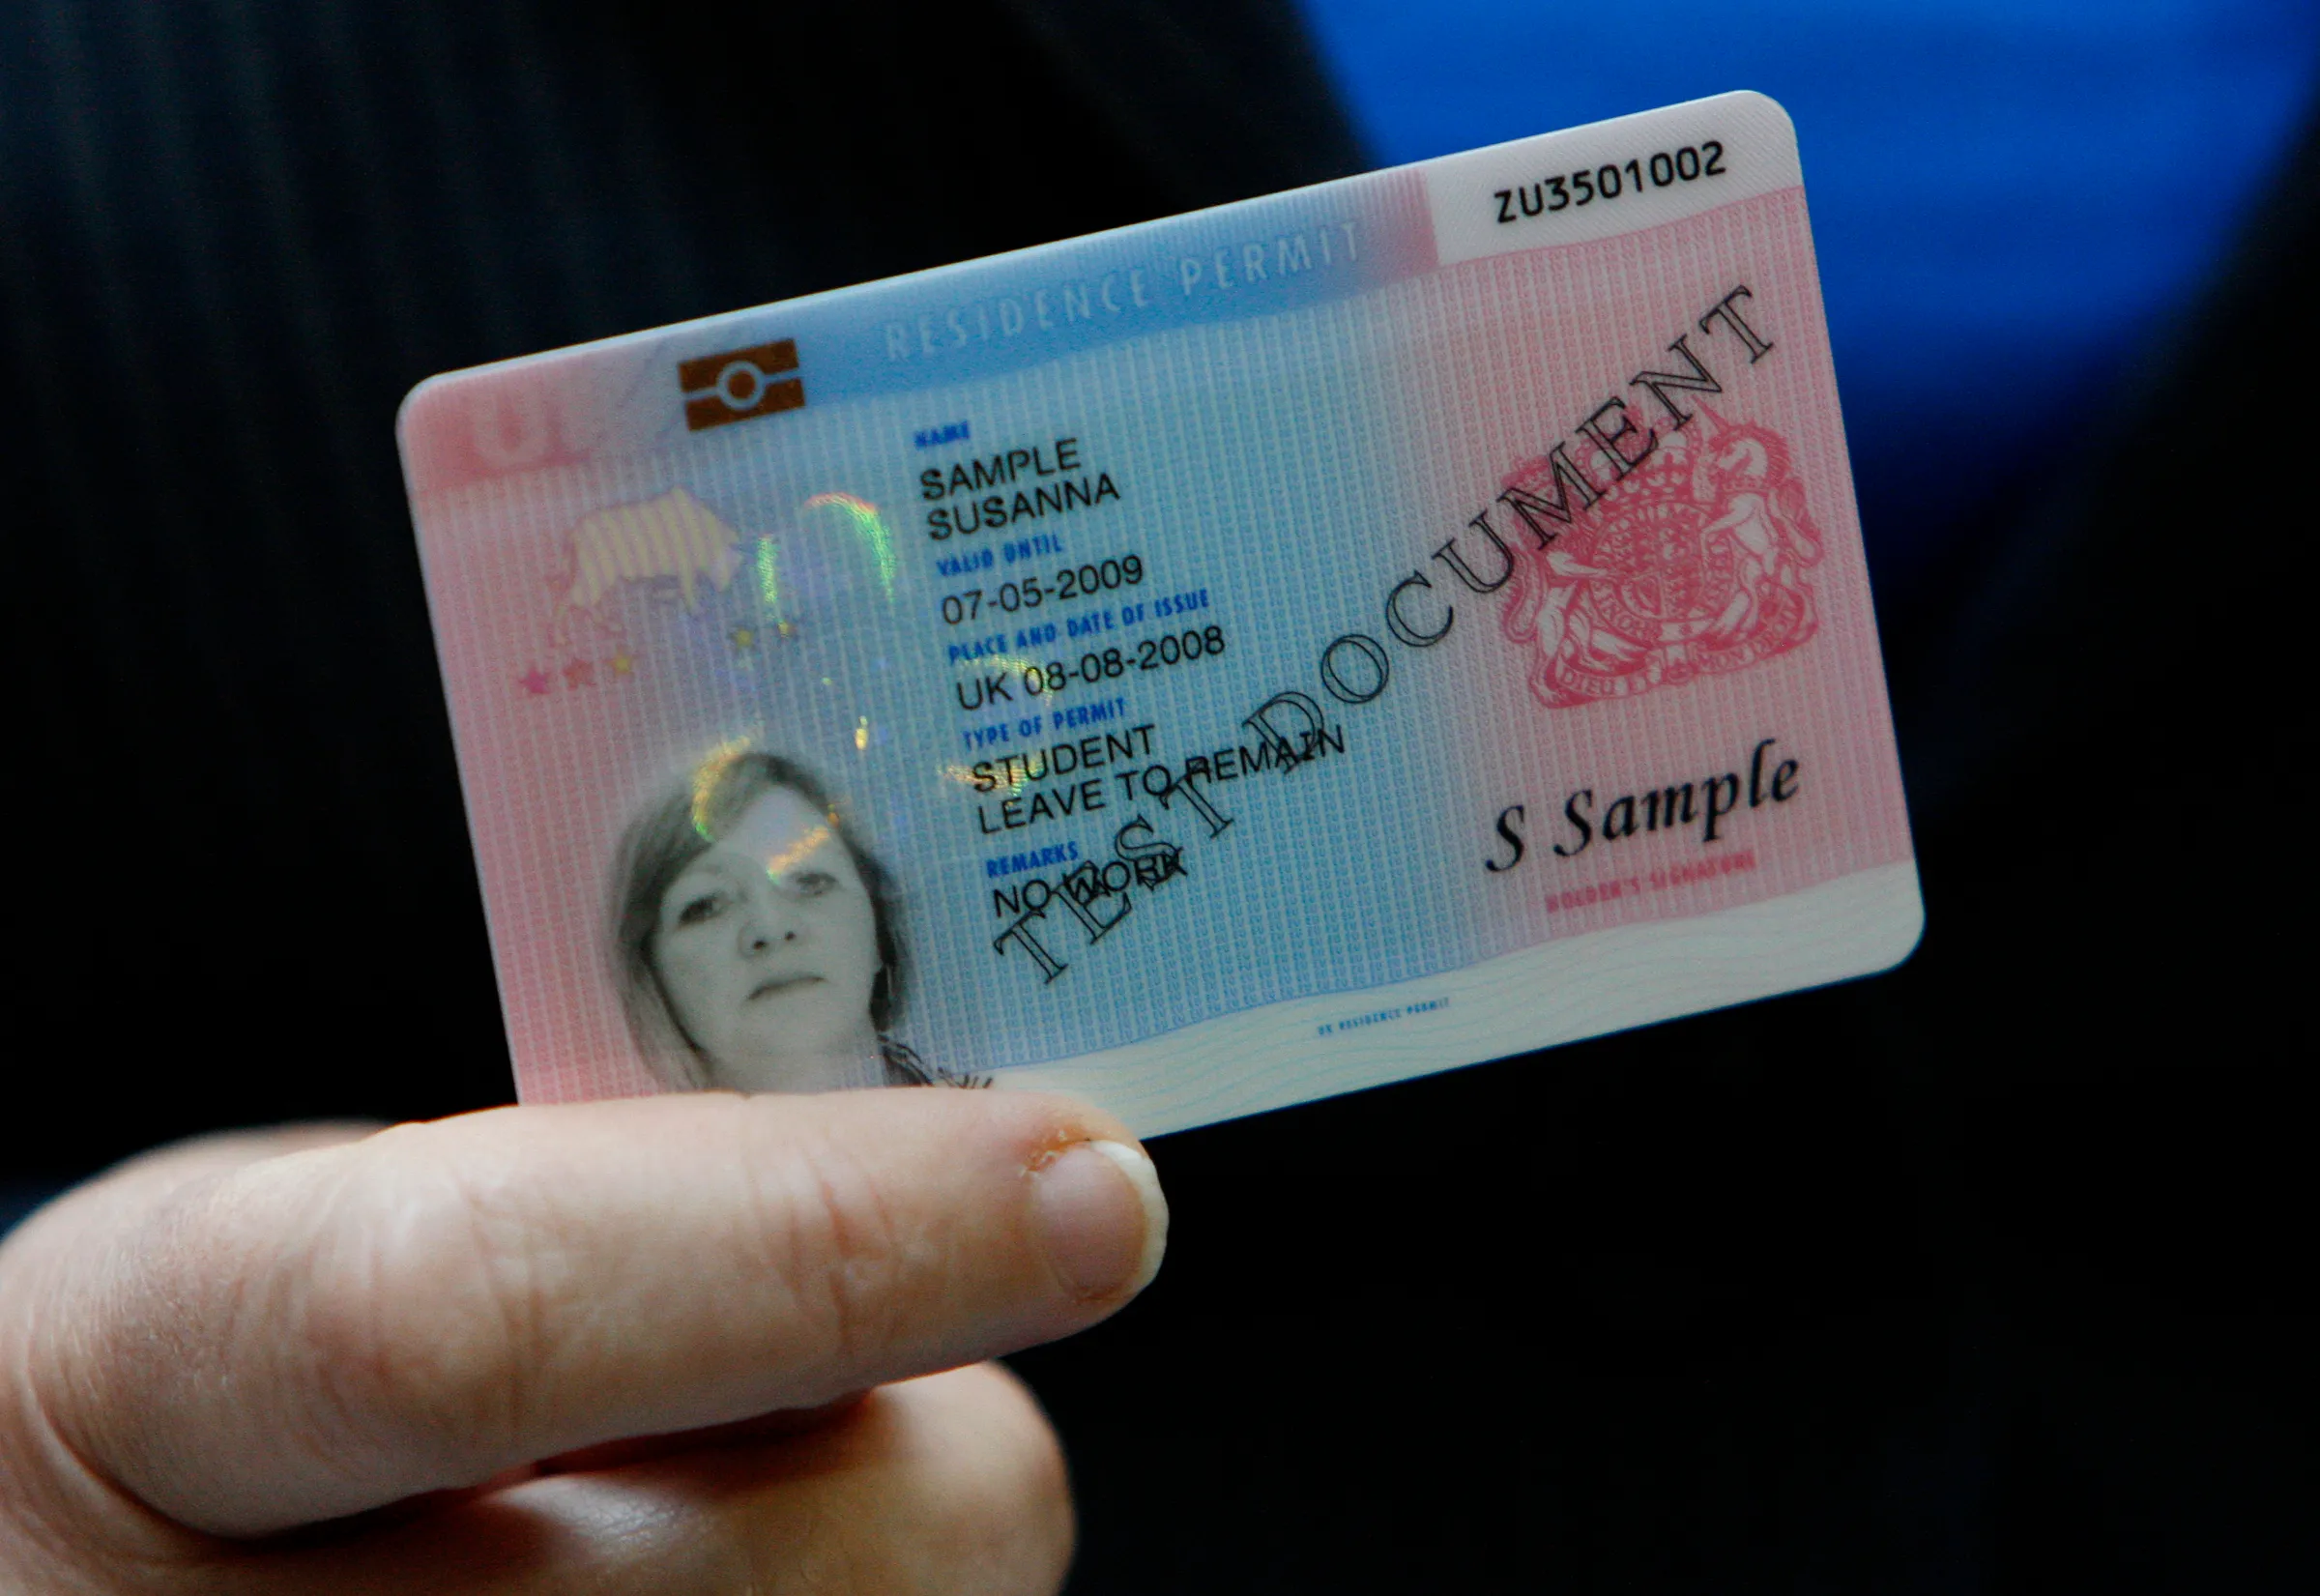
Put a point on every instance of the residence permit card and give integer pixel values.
(1204, 666)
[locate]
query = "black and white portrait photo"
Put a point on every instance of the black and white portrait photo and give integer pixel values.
(758, 946)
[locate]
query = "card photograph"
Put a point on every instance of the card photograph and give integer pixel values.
(758, 944)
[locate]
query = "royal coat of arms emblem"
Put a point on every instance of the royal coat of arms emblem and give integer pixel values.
(1692, 566)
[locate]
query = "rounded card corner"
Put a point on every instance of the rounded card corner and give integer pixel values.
(1763, 107)
(413, 416)
(1901, 937)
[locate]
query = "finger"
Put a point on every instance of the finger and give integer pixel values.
(136, 1184)
(949, 1484)
(49, 1502)
(314, 1335)
(766, 1427)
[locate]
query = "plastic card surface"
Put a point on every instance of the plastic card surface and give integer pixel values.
(1208, 665)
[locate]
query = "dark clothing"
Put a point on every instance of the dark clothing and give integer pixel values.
(1987, 1275)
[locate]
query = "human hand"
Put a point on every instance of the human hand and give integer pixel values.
(602, 1347)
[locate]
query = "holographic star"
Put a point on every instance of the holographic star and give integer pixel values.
(745, 638)
(580, 672)
(537, 681)
(622, 663)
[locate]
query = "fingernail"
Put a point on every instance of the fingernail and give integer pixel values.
(1102, 1217)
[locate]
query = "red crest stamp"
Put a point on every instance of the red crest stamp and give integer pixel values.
(1693, 565)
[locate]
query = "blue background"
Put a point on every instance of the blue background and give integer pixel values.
(2013, 201)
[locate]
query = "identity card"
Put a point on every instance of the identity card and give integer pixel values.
(1384, 627)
